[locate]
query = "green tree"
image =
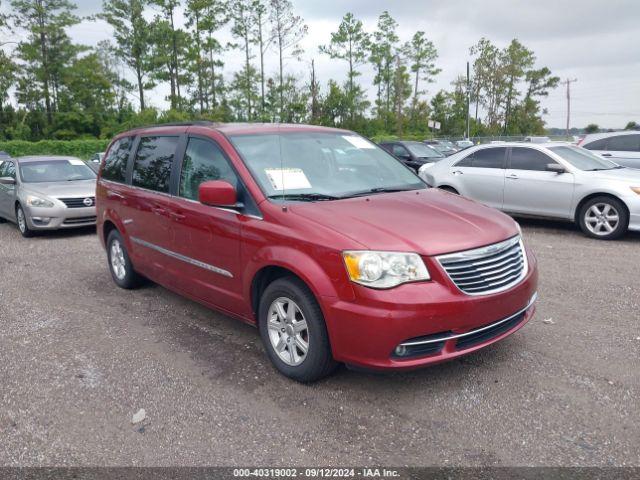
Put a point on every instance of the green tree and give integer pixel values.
(350, 43)
(8, 69)
(47, 46)
(264, 41)
(631, 126)
(242, 16)
(172, 41)
(421, 54)
(216, 15)
(131, 32)
(287, 30)
(334, 106)
(205, 17)
(382, 54)
(485, 67)
(516, 60)
(592, 128)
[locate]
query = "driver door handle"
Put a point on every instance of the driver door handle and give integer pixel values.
(457, 172)
(606, 154)
(512, 176)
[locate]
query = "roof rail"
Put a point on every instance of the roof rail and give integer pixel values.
(195, 123)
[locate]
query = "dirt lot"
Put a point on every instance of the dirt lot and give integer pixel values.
(78, 357)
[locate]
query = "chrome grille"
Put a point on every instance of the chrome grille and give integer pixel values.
(78, 202)
(486, 270)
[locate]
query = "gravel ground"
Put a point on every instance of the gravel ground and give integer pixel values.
(79, 357)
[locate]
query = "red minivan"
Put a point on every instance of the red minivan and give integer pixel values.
(331, 247)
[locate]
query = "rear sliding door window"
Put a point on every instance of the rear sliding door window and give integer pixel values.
(115, 165)
(152, 165)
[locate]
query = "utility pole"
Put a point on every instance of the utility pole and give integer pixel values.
(568, 83)
(468, 99)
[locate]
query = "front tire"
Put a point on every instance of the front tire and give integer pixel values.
(604, 218)
(23, 225)
(293, 331)
(120, 264)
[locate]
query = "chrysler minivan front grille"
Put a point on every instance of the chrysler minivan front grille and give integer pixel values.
(487, 270)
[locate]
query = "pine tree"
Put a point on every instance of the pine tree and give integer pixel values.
(131, 32)
(47, 47)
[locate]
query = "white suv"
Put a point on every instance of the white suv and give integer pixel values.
(620, 147)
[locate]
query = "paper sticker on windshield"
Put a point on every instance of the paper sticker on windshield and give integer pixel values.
(287, 178)
(74, 161)
(358, 142)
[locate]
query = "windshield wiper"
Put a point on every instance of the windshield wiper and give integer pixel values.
(378, 190)
(305, 197)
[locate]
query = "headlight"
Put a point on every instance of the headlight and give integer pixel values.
(34, 201)
(384, 269)
(636, 190)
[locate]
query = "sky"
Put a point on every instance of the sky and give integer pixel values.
(593, 41)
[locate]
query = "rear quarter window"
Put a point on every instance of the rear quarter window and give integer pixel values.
(596, 145)
(152, 165)
(485, 158)
(115, 164)
(624, 143)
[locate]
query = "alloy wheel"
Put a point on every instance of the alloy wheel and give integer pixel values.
(601, 219)
(22, 221)
(118, 264)
(288, 331)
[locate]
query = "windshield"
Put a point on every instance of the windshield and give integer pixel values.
(583, 159)
(321, 166)
(421, 150)
(442, 148)
(55, 171)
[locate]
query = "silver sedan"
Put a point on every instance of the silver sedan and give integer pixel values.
(552, 180)
(47, 193)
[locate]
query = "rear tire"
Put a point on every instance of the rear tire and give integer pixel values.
(120, 264)
(23, 225)
(293, 331)
(604, 218)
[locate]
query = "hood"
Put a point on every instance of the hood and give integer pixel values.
(81, 188)
(631, 175)
(429, 222)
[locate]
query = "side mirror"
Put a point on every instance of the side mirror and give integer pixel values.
(218, 193)
(555, 167)
(7, 181)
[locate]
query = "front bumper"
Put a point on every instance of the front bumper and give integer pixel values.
(58, 217)
(366, 332)
(633, 204)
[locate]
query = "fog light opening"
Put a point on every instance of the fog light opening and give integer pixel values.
(401, 351)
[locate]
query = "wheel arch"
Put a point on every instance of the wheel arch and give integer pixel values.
(263, 278)
(107, 227)
(272, 263)
(586, 198)
(448, 188)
